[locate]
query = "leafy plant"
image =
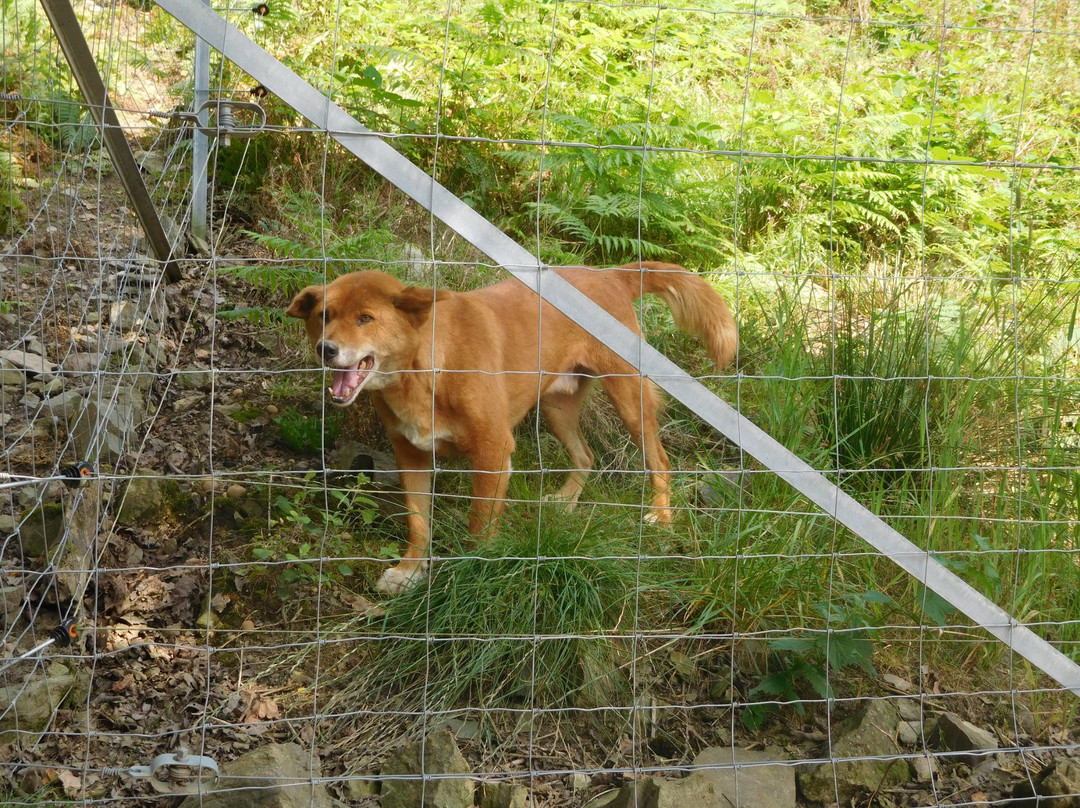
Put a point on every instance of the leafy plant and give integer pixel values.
(846, 641)
(310, 539)
(306, 433)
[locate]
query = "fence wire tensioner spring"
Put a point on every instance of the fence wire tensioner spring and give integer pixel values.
(179, 773)
(224, 125)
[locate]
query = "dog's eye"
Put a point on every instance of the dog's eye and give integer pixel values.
(364, 319)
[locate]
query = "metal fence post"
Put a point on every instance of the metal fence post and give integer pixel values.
(200, 148)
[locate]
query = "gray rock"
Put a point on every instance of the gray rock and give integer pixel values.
(867, 735)
(696, 790)
(898, 683)
(1059, 786)
(414, 776)
(27, 708)
(82, 362)
(123, 314)
(193, 379)
(958, 735)
(577, 781)
(12, 376)
(746, 778)
(53, 386)
(42, 530)
(66, 406)
(909, 709)
(272, 776)
(926, 768)
(30, 362)
(12, 597)
(107, 423)
(503, 795)
(908, 732)
(143, 501)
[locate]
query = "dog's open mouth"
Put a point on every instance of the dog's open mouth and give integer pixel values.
(348, 382)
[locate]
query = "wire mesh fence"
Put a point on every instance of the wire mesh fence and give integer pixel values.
(196, 540)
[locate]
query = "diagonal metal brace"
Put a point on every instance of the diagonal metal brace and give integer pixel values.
(72, 41)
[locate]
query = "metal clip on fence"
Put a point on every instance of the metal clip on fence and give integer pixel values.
(225, 126)
(179, 773)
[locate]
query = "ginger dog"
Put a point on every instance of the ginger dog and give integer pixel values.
(453, 373)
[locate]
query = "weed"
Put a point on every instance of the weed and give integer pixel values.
(809, 660)
(307, 433)
(309, 538)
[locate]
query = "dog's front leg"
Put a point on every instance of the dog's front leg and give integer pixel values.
(491, 475)
(414, 471)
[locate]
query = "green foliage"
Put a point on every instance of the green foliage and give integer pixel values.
(309, 541)
(306, 433)
(810, 660)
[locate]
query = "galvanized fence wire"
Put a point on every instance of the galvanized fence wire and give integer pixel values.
(72, 265)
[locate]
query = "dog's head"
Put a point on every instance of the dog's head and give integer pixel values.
(364, 326)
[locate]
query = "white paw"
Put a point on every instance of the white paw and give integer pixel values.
(660, 517)
(562, 499)
(396, 580)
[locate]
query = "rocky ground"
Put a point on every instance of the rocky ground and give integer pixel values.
(182, 643)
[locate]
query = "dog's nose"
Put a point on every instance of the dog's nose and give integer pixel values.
(328, 351)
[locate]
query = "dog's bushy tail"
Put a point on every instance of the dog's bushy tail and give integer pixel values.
(697, 308)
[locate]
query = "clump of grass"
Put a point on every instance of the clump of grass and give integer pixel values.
(530, 618)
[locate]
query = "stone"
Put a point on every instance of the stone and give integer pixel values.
(272, 776)
(27, 708)
(143, 502)
(898, 683)
(123, 314)
(926, 768)
(503, 795)
(42, 530)
(66, 406)
(106, 426)
(695, 790)
(746, 778)
(12, 598)
(908, 732)
(53, 386)
(868, 735)
(193, 379)
(30, 362)
(407, 781)
(577, 781)
(1059, 785)
(909, 709)
(958, 735)
(12, 377)
(83, 362)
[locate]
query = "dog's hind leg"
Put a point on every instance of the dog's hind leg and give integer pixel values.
(635, 400)
(562, 414)
(414, 471)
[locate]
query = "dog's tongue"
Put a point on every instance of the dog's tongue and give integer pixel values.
(345, 380)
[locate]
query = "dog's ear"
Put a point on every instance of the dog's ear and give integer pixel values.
(415, 302)
(304, 302)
